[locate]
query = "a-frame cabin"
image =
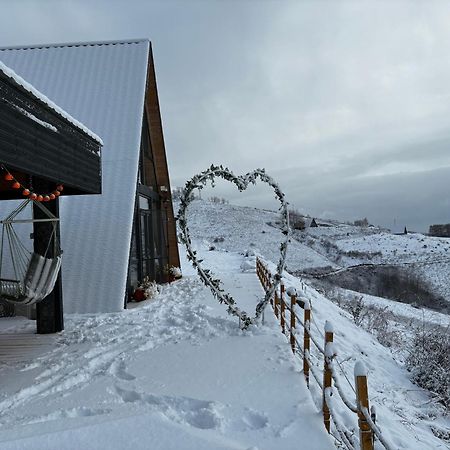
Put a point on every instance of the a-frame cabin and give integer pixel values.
(113, 240)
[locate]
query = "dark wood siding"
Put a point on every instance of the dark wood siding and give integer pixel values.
(30, 144)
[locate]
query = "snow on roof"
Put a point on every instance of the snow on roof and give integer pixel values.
(38, 95)
(103, 84)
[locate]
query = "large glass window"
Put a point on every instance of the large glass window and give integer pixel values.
(149, 252)
(149, 248)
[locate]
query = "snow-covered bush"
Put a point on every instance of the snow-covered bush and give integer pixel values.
(362, 255)
(376, 320)
(145, 290)
(357, 309)
(173, 272)
(429, 361)
(361, 222)
(220, 200)
(296, 220)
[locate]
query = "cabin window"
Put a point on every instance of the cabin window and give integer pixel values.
(149, 250)
(147, 173)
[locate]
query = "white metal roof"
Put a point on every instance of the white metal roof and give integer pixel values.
(39, 95)
(103, 85)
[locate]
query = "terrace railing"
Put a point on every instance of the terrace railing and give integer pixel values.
(291, 318)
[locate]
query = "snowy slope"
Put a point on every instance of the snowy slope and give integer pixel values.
(237, 229)
(348, 245)
(406, 413)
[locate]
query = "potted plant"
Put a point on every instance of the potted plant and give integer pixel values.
(172, 273)
(144, 290)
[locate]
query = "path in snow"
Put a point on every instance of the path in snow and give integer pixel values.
(173, 373)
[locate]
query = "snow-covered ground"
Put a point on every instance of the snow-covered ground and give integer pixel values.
(176, 372)
(409, 415)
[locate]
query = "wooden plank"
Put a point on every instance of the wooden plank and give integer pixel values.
(159, 157)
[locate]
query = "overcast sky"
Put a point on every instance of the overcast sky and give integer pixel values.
(346, 104)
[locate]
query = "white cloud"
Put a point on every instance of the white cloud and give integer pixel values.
(323, 94)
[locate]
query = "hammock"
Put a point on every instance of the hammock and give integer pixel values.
(34, 275)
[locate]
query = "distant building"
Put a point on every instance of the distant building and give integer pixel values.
(301, 223)
(440, 230)
(310, 222)
(399, 230)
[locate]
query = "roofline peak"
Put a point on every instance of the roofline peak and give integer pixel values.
(76, 44)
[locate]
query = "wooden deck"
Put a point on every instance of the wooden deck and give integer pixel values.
(19, 341)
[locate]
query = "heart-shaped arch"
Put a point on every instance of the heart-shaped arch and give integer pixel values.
(241, 182)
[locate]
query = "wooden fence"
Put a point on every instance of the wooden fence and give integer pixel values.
(289, 313)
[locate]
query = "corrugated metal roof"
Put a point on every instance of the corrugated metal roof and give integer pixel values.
(103, 85)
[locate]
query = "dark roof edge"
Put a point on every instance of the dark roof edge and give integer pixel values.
(76, 44)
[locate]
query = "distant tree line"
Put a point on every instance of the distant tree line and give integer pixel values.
(440, 230)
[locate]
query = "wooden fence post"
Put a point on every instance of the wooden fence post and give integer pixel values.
(306, 339)
(362, 401)
(292, 339)
(327, 378)
(282, 309)
(259, 270)
(275, 304)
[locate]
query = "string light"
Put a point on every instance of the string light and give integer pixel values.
(28, 193)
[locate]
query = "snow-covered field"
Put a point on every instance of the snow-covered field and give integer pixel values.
(176, 372)
(172, 373)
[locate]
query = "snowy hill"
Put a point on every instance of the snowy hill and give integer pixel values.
(326, 248)
(396, 398)
(426, 257)
(236, 229)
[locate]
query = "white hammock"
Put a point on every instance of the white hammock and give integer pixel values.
(34, 275)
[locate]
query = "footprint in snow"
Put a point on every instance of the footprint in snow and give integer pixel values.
(118, 369)
(196, 413)
(128, 396)
(250, 420)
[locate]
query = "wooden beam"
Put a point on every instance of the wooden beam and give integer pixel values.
(159, 158)
(49, 312)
